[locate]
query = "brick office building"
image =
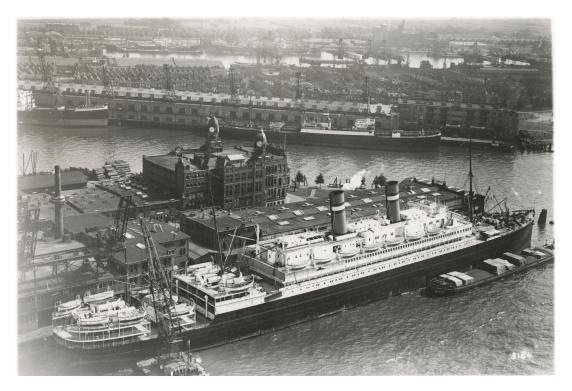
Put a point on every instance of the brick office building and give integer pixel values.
(229, 178)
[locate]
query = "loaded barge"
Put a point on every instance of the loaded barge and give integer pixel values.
(489, 270)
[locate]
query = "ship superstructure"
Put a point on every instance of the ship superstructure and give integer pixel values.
(415, 242)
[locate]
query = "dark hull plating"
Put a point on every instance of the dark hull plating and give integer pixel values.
(281, 313)
(384, 143)
(404, 144)
(54, 117)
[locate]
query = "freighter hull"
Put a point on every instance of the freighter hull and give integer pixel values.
(64, 118)
(384, 143)
(284, 312)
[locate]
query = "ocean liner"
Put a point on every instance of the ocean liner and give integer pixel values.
(297, 277)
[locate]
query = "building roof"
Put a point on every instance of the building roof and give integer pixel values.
(47, 181)
(315, 210)
(161, 233)
(80, 223)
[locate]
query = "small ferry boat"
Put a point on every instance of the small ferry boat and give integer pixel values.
(89, 329)
(489, 270)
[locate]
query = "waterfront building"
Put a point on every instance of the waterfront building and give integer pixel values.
(131, 260)
(191, 110)
(226, 177)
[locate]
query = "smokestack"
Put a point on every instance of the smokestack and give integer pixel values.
(58, 201)
(338, 212)
(392, 197)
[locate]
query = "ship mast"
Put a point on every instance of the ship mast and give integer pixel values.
(470, 181)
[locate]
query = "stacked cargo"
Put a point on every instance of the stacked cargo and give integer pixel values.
(100, 173)
(493, 267)
(458, 282)
(516, 260)
(533, 253)
(122, 168)
(463, 277)
(505, 263)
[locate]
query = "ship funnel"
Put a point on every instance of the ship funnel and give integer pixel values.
(58, 201)
(392, 197)
(338, 212)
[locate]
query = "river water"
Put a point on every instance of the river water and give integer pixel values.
(506, 327)
(227, 60)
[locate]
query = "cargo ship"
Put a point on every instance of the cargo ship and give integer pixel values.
(489, 270)
(293, 278)
(87, 115)
(377, 131)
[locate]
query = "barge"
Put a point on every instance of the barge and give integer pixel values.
(489, 270)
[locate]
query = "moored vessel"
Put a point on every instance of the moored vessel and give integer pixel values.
(379, 131)
(290, 278)
(489, 270)
(87, 115)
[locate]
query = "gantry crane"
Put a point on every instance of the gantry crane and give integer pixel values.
(159, 285)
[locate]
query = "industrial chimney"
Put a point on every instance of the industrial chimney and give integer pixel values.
(58, 200)
(338, 212)
(392, 197)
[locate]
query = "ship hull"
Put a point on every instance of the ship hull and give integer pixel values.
(281, 313)
(384, 143)
(64, 118)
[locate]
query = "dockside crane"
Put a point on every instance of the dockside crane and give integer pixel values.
(159, 285)
(28, 238)
(169, 85)
(115, 240)
(107, 80)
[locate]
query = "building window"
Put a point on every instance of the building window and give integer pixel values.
(131, 107)
(169, 110)
(181, 110)
(156, 109)
(144, 108)
(194, 111)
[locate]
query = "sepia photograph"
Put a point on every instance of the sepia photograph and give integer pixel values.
(304, 195)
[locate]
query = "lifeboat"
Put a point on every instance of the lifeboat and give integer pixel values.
(97, 298)
(239, 284)
(414, 236)
(65, 309)
(323, 261)
(129, 315)
(298, 265)
(182, 316)
(434, 231)
(349, 253)
(395, 241)
(90, 319)
(111, 306)
(371, 247)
